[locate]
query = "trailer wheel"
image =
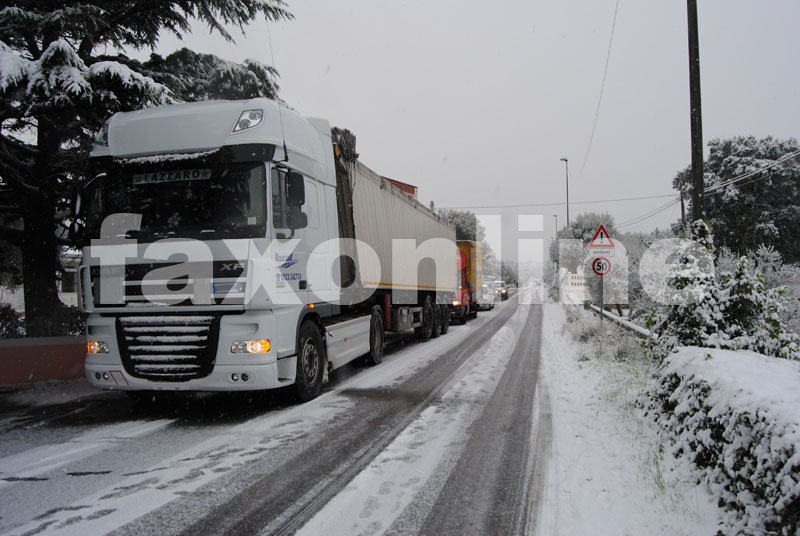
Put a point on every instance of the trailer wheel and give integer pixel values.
(445, 318)
(426, 329)
(437, 322)
(474, 314)
(376, 337)
(310, 363)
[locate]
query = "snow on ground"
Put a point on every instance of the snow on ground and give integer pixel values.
(608, 473)
(429, 446)
(40, 460)
(187, 470)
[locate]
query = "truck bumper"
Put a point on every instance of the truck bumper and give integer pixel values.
(261, 371)
(262, 376)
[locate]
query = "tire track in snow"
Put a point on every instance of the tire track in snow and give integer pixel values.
(379, 494)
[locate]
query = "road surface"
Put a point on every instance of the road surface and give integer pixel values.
(444, 437)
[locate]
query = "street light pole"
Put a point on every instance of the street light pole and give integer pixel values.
(556, 241)
(566, 162)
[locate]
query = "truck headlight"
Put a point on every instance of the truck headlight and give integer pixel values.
(256, 346)
(96, 347)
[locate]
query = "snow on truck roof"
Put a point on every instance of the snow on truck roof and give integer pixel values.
(199, 127)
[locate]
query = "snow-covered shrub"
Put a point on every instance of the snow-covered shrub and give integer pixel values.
(692, 316)
(769, 262)
(734, 312)
(734, 415)
(11, 326)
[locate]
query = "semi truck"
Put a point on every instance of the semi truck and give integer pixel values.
(235, 245)
(469, 281)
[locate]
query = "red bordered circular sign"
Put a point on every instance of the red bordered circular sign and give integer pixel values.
(601, 266)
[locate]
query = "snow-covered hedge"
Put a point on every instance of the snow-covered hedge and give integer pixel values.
(736, 416)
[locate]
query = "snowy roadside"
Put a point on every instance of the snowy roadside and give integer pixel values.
(608, 473)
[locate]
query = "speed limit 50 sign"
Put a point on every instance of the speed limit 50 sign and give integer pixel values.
(601, 266)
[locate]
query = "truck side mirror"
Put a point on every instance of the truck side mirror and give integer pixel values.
(297, 220)
(295, 190)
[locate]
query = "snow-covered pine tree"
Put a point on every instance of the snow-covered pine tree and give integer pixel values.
(751, 314)
(692, 314)
(736, 312)
(56, 89)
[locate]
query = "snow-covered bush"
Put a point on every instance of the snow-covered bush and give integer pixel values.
(734, 312)
(734, 415)
(11, 326)
(769, 262)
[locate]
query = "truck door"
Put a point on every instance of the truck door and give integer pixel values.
(291, 267)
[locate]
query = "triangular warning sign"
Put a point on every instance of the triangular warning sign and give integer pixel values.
(601, 239)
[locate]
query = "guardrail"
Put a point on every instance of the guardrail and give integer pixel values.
(625, 325)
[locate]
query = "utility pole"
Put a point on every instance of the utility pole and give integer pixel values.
(696, 114)
(567, 172)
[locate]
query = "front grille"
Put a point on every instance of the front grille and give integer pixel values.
(166, 347)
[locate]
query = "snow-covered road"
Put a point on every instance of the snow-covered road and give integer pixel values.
(438, 428)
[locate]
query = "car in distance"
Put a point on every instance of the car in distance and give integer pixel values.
(501, 290)
(486, 298)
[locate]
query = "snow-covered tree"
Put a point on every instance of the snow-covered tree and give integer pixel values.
(193, 76)
(508, 273)
(763, 208)
(468, 227)
(583, 227)
(57, 87)
(736, 312)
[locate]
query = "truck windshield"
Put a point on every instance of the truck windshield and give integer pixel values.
(203, 202)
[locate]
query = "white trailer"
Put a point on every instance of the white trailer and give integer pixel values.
(253, 255)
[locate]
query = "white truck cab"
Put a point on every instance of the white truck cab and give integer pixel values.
(214, 261)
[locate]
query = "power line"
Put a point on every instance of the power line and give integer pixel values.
(712, 189)
(562, 203)
(649, 215)
(715, 188)
(602, 88)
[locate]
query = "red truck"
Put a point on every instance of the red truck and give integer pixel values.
(469, 279)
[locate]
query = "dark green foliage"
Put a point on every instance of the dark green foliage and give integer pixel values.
(57, 88)
(762, 209)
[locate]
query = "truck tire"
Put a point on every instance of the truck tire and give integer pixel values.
(474, 314)
(426, 329)
(437, 322)
(445, 319)
(310, 362)
(376, 338)
(464, 315)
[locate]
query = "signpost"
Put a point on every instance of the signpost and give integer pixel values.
(603, 247)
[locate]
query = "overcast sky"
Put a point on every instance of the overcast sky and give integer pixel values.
(476, 102)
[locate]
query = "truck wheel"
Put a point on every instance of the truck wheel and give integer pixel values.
(437, 322)
(445, 319)
(426, 329)
(376, 338)
(464, 315)
(310, 363)
(474, 314)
